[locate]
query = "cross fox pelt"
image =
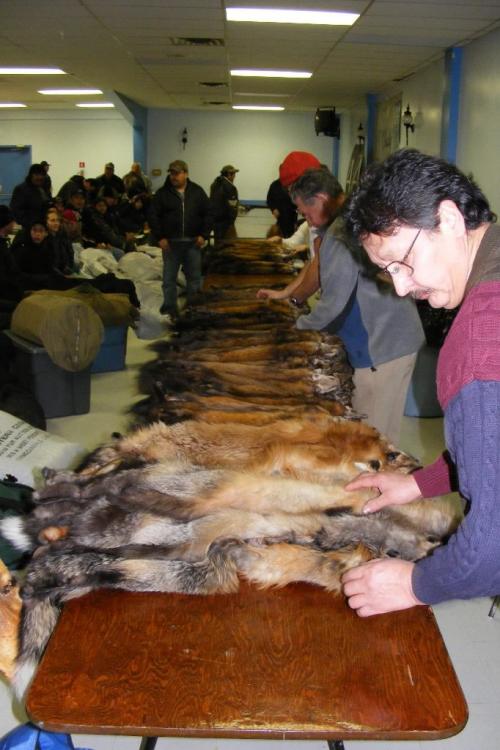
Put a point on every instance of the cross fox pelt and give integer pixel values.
(191, 507)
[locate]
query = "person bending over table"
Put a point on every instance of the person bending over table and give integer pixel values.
(381, 332)
(431, 228)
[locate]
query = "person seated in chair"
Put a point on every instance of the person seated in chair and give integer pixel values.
(99, 231)
(131, 214)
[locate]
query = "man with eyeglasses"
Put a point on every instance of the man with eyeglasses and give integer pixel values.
(382, 333)
(430, 227)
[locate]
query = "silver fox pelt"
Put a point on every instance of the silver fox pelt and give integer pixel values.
(193, 506)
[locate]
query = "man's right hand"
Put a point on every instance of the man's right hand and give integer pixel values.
(269, 294)
(163, 243)
(395, 489)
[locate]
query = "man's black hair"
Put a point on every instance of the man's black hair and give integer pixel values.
(314, 181)
(406, 190)
(36, 169)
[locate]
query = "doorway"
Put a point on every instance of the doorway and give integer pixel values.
(15, 162)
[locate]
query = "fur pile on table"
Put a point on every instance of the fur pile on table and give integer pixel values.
(237, 468)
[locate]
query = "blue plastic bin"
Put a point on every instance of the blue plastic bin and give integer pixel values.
(111, 355)
(59, 392)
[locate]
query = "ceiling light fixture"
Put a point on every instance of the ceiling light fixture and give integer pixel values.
(274, 15)
(271, 73)
(258, 95)
(31, 71)
(69, 92)
(258, 106)
(11, 105)
(96, 105)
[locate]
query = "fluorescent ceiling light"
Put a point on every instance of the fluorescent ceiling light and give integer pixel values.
(11, 105)
(271, 73)
(69, 92)
(257, 95)
(96, 105)
(258, 106)
(274, 15)
(31, 71)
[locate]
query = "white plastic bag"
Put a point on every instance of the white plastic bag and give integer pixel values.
(25, 450)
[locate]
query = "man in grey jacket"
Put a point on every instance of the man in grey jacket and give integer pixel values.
(382, 332)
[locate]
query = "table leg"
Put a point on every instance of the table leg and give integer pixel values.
(148, 743)
(335, 745)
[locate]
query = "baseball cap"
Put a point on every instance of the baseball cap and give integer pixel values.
(228, 168)
(295, 164)
(45, 163)
(177, 166)
(109, 165)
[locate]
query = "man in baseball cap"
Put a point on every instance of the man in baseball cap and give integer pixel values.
(295, 164)
(181, 222)
(228, 170)
(177, 166)
(224, 202)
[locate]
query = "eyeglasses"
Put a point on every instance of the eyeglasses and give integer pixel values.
(396, 266)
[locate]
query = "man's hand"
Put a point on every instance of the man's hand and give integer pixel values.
(164, 244)
(271, 294)
(380, 586)
(395, 489)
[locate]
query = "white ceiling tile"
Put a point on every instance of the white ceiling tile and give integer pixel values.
(125, 45)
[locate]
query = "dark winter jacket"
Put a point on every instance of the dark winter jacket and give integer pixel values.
(130, 219)
(28, 203)
(174, 215)
(69, 187)
(64, 255)
(34, 260)
(97, 229)
(10, 275)
(224, 200)
(278, 198)
(114, 181)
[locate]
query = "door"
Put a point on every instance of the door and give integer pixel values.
(15, 162)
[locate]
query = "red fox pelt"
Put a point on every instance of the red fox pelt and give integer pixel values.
(191, 507)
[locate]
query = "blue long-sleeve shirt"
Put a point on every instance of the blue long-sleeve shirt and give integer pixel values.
(468, 379)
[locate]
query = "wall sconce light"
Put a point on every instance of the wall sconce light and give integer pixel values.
(361, 134)
(408, 121)
(184, 138)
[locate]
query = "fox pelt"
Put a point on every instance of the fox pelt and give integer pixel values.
(192, 507)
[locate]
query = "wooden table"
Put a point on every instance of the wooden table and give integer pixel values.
(294, 663)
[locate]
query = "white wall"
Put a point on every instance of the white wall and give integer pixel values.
(479, 119)
(424, 93)
(66, 138)
(254, 142)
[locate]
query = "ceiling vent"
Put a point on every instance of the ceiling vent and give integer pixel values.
(196, 41)
(215, 104)
(213, 84)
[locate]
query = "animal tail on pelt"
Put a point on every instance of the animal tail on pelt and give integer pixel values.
(38, 619)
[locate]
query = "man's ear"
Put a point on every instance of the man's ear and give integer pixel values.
(451, 220)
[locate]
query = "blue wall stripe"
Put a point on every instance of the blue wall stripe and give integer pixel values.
(371, 101)
(451, 103)
(336, 151)
(140, 129)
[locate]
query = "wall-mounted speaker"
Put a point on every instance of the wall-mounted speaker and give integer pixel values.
(327, 122)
